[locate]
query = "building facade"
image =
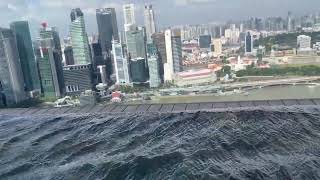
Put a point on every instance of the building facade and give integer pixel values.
(107, 27)
(149, 22)
(78, 79)
(174, 55)
(160, 42)
(136, 43)
(192, 78)
(154, 71)
(248, 43)
(26, 54)
(50, 37)
(138, 70)
(204, 41)
(217, 46)
(304, 42)
(79, 38)
(121, 64)
(68, 54)
(129, 14)
(51, 85)
(11, 76)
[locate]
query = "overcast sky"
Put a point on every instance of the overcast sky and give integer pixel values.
(168, 12)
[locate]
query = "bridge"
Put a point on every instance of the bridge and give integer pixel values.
(275, 82)
(161, 108)
(240, 85)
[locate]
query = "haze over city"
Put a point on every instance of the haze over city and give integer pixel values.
(168, 12)
(159, 89)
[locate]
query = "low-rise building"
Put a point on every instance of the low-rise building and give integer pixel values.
(195, 77)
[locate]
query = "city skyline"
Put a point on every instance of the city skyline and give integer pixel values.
(56, 12)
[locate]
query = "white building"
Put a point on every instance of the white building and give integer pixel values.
(304, 42)
(129, 15)
(217, 46)
(120, 63)
(149, 21)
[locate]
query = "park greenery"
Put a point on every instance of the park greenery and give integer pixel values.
(132, 89)
(309, 70)
(224, 71)
(288, 40)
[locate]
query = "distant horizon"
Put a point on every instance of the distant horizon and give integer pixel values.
(57, 13)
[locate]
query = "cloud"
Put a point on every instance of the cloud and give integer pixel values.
(65, 3)
(192, 2)
(12, 7)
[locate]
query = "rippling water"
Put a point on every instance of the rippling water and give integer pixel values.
(252, 144)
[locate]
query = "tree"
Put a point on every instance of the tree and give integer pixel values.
(224, 71)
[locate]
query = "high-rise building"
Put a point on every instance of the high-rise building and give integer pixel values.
(289, 25)
(50, 37)
(129, 15)
(304, 42)
(160, 43)
(149, 22)
(68, 54)
(79, 38)
(205, 41)
(138, 70)
(217, 46)
(136, 42)
(51, 85)
(97, 56)
(154, 73)
(26, 54)
(103, 76)
(174, 54)
(248, 43)
(78, 79)
(121, 64)
(11, 76)
(107, 27)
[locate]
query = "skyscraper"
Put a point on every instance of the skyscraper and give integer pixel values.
(79, 38)
(68, 53)
(11, 77)
(248, 43)
(52, 35)
(138, 70)
(136, 43)
(149, 22)
(107, 27)
(289, 25)
(154, 73)
(78, 78)
(26, 54)
(160, 43)
(49, 58)
(96, 52)
(174, 54)
(121, 64)
(129, 15)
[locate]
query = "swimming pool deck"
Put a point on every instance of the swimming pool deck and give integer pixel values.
(161, 108)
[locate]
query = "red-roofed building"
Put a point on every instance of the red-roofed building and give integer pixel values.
(195, 77)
